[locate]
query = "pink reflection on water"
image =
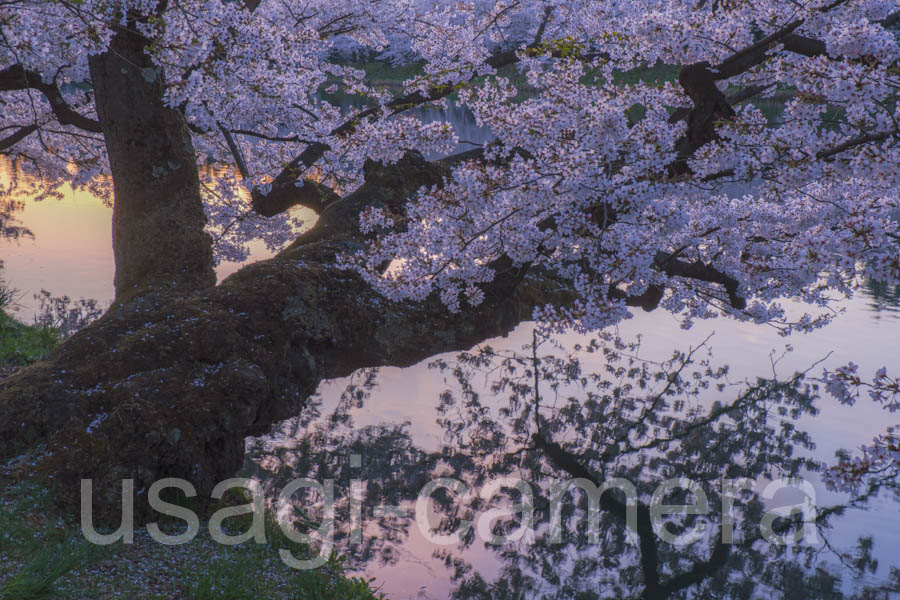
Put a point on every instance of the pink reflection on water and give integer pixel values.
(70, 253)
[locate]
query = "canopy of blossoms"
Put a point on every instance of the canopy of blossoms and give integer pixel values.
(684, 195)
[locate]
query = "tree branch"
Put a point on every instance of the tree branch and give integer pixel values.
(221, 363)
(854, 142)
(16, 77)
(736, 98)
(283, 193)
(653, 585)
(804, 45)
(235, 152)
(754, 54)
(700, 272)
(569, 463)
(18, 136)
(827, 154)
(891, 20)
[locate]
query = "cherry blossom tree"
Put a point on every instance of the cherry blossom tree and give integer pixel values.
(205, 122)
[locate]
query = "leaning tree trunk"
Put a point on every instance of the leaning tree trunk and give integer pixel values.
(172, 379)
(158, 216)
(169, 385)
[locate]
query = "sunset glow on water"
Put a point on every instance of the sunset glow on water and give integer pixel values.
(69, 249)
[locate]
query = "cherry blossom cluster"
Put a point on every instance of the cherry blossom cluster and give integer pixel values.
(770, 172)
(883, 454)
(799, 204)
(259, 71)
(592, 178)
(845, 384)
(233, 223)
(880, 458)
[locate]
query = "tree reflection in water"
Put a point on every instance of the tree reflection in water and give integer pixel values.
(543, 416)
(10, 227)
(12, 184)
(884, 297)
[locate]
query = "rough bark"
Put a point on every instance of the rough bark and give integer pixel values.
(158, 216)
(169, 385)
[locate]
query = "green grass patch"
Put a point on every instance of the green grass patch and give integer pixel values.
(233, 578)
(22, 344)
(241, 575)
(39, 578)
(44, 548)
(332, 581)
(19, 533)
(43, 556)
(237, 573)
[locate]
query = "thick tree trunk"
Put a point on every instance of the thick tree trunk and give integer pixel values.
(169, 385)
(171, 381)
(158, 217)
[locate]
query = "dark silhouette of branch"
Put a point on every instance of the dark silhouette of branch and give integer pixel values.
(654, 587)
(754, 54)
(283, 193)
(13, 139)
(16, 77)
(891, 20)
(827, 154)
(701, 272)
(235, 152)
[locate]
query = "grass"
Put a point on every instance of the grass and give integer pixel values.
(229, 579)
(41, 550)
(384, 73)
(44, 557)
(40, 577)
(20, 505)
(656, 74)
(237, 577)
(331, 581)
(22, 344)
(234, 575)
